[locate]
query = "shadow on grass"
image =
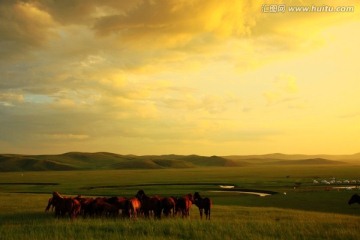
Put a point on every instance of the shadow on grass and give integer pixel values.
(19, 218)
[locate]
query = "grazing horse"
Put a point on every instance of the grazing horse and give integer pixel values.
(132, 207)
(183, 204)
(168, 205)
(354, 199)
(100, 207)
(149, 204)
(65, 205)
(204, 204)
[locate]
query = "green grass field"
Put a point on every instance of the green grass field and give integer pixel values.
(308, 212)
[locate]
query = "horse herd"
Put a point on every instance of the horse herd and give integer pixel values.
(139, 205)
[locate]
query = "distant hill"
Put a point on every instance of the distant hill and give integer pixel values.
(315, 161)
(279, 156)
(104, 160)
(30, 163)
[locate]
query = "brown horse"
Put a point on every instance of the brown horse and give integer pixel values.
(149, 204)
(168, 205)
(132, 207)
(101, 208)
(85, 205)
(183, 204)
(354, 199)
(204, 204)
(65, 205)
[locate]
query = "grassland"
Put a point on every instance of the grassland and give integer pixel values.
(310, 211)
(22, 217)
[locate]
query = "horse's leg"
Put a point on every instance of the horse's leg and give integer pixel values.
(57, 212)
(207, 213)
(201, 212)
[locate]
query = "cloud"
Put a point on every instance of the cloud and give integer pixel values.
(23, 26)
(10, 98)
(175, 24)
(100, 73)
(85, 12)
(66, 136)
(209, 103)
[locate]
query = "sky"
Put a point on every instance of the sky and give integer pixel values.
(200, 77)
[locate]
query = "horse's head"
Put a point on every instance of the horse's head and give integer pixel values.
(140, 194)
(196, 195)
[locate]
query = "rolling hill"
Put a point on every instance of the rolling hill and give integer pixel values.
(291, 157)
(104, 160)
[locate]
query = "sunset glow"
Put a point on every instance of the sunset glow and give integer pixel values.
(179, 76)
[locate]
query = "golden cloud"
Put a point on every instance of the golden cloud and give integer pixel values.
(22, 26)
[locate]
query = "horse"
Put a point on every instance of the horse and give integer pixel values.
(118, 202)
(132, 207)
(183, 204)
(65, 205)
(204, 204)
(149, 204)
(354, 199)
(85, 205)
(100, 207)
(168, 204)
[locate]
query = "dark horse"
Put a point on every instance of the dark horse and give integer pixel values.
(204, 204)
(354, 199)
(149, 204)
(65, 205)
(168, 206)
